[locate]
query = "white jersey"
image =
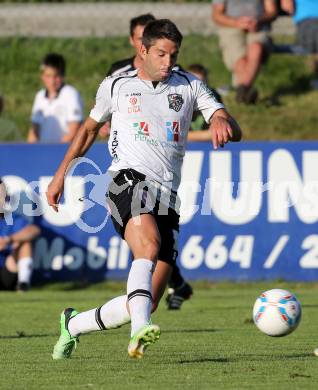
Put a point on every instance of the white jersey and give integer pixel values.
(54, 115)
(149, 124)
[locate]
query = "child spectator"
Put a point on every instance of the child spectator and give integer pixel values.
(57, 108)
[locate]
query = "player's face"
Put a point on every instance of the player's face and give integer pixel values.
(136, 38)
(160, 58)
(51, 79)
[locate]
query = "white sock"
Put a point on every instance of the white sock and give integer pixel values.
(139, 293)
(114, 313)
(83, 323)
(25, 268)
(109, 316)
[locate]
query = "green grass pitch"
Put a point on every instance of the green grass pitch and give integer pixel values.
(210, 344)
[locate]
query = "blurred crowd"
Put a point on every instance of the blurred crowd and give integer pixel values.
(243, 28)
(57, 112)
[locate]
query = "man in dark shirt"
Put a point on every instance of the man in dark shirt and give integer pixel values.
(137, 26)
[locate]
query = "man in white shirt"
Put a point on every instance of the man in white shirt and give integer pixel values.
(179, 289)
(57, 110)
(151, 110)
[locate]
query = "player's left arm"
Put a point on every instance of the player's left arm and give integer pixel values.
(224, 128)
(222, 125)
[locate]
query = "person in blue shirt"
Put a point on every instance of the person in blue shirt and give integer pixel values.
(16, 236)
(305, 15)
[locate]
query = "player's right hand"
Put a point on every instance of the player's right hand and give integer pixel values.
(54, 193)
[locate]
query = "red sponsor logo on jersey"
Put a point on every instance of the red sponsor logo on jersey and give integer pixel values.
(173, 131)
(134, 105)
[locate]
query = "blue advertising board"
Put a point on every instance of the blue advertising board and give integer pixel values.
(248, 212)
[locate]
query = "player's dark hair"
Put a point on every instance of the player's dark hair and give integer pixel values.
(141, 20)
(159, 29)
(198, 68)
(55, 61)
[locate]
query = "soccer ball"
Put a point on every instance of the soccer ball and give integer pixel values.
(277, 312)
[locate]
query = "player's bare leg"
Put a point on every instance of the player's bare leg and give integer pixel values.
(115, 312)
(143, 238)
(160, 280)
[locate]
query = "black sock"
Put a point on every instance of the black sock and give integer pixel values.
(176, 280)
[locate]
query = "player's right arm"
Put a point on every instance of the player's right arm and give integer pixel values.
(81, 142)
(79, 146)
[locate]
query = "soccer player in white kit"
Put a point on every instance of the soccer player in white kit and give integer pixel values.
(151, 110)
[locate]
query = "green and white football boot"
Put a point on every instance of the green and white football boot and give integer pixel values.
(66, 344)
(145, 336)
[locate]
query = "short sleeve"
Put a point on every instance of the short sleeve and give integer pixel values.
(19, 223)
(37, 114)
(74, 106)
(206, 101)
(102, 110)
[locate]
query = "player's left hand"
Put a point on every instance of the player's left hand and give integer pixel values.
(221, 131)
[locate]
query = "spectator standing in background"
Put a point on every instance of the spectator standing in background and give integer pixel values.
(244, 27)
(57, 110)
(15, 249)
(199, 128)
(306, 18)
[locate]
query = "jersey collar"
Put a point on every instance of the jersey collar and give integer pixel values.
(57, 92)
